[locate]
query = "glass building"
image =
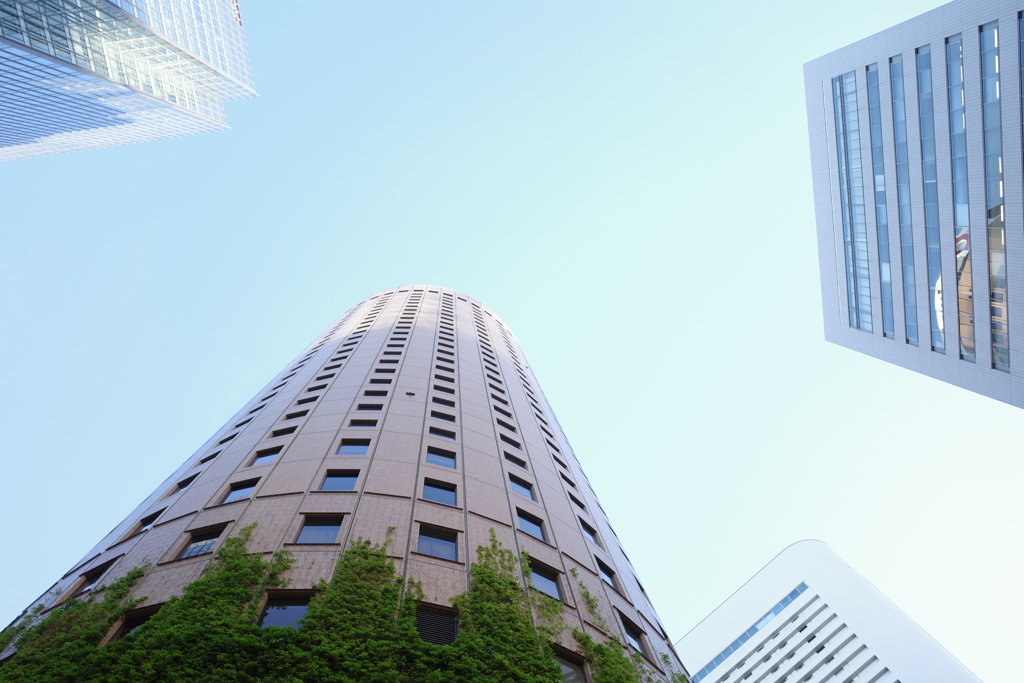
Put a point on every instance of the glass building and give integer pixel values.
(916, 154)
(81, 74)
(808, 617)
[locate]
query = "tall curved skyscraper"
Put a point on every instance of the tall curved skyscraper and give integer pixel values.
(415, 410)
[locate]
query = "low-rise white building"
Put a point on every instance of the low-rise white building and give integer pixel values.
(808, 617)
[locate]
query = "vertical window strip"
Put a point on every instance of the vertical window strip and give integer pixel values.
(933, 250)
(851, 193)
(994, 208)
(899, 125)
(961, 204)
(881, 215)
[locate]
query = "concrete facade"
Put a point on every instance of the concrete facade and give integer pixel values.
(421, 374)
(934, 29)
(806, 617)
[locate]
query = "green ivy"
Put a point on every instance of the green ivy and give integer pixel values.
(360, 628)
(62, 648)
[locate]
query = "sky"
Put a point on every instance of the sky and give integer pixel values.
(627, 184)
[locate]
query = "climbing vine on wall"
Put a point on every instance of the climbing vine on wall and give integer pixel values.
(360, 627)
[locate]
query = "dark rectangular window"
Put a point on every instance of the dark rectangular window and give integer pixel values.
(531, 525)
(445, 390)
(316, 388)
(380, 381)
(292, 416)
(354, 447)
(303, 401)
(499, 399)
(545, 580)
(283, 432)
(445, 379)
(226, 439)
(438, 543)
(511, 442)
(362, 423)
(319, 530)
(443, 368)
(591, 532)
(340, 480)
(439, 492)
(284, 612)
(442, 416)
(146, 523)
(634, 636)
(518, 462)
(386, 371)
(506, 425)
(439, 627)
(259, 407)
(443, 401)
(567, 480)
(266, 456)
(242, 423)
(443, 433)
(439, 456)
(501, 391)
(370, 406)
(333, 367)
(503, 411)
(239, 491)
(389, 360)
(523, 488)
(607, 575)
(578, 502)
(201, 543)
(183, 484)
(375, 392)
(325, 376)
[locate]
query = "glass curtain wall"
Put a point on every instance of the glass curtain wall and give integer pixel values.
(851, 190)
(933, 250)
(881, 215)
(899, 125)
(961, 205)
(994, 218)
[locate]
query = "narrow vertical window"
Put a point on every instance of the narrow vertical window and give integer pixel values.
(961, 205)
(933, 250)
(881, 213)
(899, 127)
(995, 222)
(851, 192)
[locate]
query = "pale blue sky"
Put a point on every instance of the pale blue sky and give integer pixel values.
(627, 184)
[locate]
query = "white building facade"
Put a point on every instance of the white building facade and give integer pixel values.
(808, 617)
(915, 137)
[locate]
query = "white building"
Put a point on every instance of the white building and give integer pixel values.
(808, 617)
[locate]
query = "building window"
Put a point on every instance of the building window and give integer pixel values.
(90, 579)
(933, 248)
(442, 416)
(183, 484)
(443, 433)
(591, 533)
(438, 543)
(146, 523)
(545, 580)
(436, 626)
(319, 530)
(354, 447)
(239, 491)
(340, 480)
(362, 423)
(572, 672)
(201, 543)
(266, 456)
(607, 575)
(518, 462)
(851, 193)
(284, 611)
(634, 636)
(370, 406)
(523, 488)
(295, 416)
(531, 525)
(439, 492)
(899, 124)
(439, 456)
(881, 215)
(994, 203)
